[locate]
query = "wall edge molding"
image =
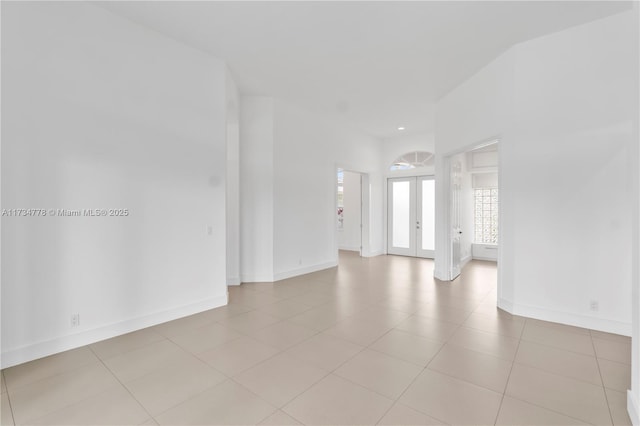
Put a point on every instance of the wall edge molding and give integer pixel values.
(570, 318)
(304, 270)
(64, 343)
(349, 248)
(256, 278)
(234, 281)
(632, 407)
(373, 253)
(505, 305)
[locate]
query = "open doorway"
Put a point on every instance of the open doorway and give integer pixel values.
(349, 208)
(473, 207)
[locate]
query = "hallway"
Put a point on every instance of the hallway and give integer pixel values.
(375, 341)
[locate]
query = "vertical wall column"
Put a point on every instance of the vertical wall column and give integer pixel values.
(633, 396)
(256, 188)
(233, 182)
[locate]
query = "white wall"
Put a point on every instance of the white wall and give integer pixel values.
(256, 188)
(574, 122)
(349, 235)
(633, 400)
(484, 104)
(565, 125)
(289, 158)
(233, 181)
(307, 151)
(101, 113)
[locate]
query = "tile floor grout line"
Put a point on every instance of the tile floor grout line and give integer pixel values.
(548, 409)
(287, 413)
(280, 352)
(432, 358)
(506, 384)
(377, 288)
(332, 372)
(604, 390)
(190, 398)
(122, 384)
(397, 400)
(13, 419)
(290, 400)
(559, 348)
(55, 374)
(563, 376)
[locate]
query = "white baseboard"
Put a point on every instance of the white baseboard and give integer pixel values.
(505, 305)
(349, 248)
(304, 270)
(568, 318)
(437, 274)
(233, 281)
(464, 261)
(373, 253)
(256, 278)
(86, 337)
(632, 408)
(487, 252)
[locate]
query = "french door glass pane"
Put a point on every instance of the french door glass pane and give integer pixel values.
(401, 214)
(428, 222)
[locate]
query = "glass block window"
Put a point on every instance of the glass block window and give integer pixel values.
(486, 215)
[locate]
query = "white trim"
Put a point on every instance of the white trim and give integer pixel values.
(373, 253)
(349, 248)
(488, 249)
(63, 343)
(443, 253)
(365, 213)
(253, 278)
(438, 274)
(632, 408)
(304, 270)
(486, 259)
(464, 261)
(568, 318)
(234, 281)
(505, 305)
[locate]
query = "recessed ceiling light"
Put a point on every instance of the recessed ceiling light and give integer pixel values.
(400, 128)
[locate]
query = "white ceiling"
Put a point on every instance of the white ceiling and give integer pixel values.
(377, 65)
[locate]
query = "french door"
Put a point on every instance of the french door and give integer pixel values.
(411, 217)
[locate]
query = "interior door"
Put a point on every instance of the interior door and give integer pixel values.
(401, 229)
(456, 228)
(426, 217)
(411, 217)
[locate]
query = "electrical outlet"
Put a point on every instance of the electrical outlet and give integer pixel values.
(75, 320)
(593, 305)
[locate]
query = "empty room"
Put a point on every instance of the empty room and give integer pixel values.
(320, 212)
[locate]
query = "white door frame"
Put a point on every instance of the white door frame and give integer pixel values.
(365, 202)
(425, 254)
(444, 252)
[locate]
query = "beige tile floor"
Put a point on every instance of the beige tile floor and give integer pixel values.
(375, 341)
